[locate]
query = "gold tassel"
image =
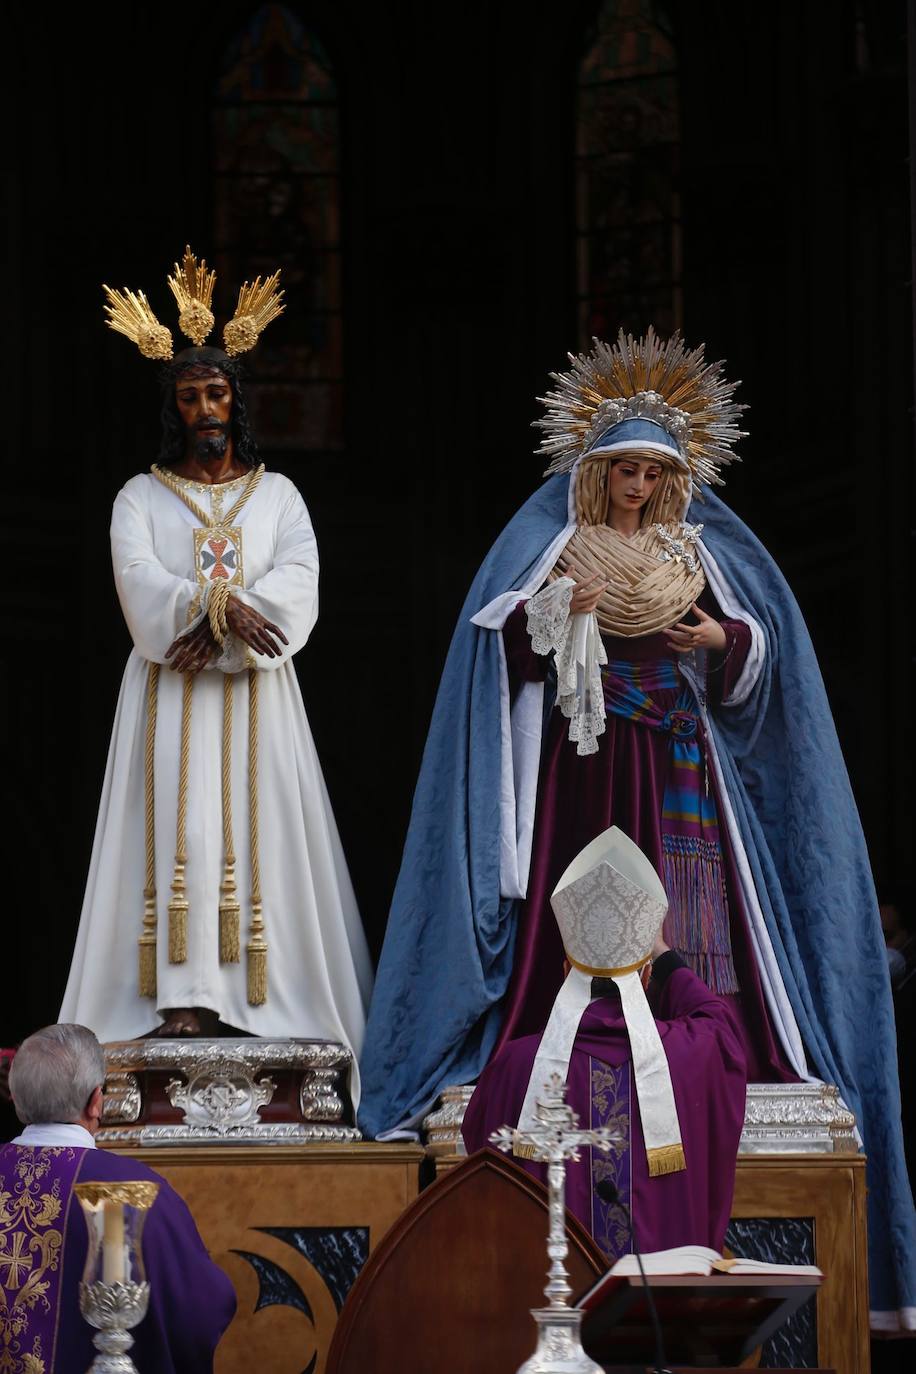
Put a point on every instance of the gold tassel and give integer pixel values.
(178, 929)
(523, 1151)
(257, 968)
(666, 1159)
(230, 916)
(146, 949)
(147, 969)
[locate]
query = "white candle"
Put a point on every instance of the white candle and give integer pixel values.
(113, 1256)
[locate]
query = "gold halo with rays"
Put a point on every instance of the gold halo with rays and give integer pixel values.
(192, 286)
(191, 283)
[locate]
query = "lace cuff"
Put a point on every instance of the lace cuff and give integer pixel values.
(548, 615)
(580, 691)
(579, 653)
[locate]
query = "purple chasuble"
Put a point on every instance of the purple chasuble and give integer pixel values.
(653, 784)
(43, 1245)
(707, 1062)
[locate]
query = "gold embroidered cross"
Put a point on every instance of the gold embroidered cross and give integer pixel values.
(15, 1262)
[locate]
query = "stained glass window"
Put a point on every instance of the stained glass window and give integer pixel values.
(276, 147)
(628, 219)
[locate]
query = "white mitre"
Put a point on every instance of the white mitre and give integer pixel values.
(610, 905)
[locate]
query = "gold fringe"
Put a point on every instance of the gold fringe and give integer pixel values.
(178, 930)
(666, 1159)
(146, 948)
(230, 917)
(257, 973)
(523, 1151)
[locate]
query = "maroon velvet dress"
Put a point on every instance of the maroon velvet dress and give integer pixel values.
(630, 782)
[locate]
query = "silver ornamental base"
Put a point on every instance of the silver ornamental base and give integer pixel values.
(559, 1349)
(807, 1118)
(113, 1308)
(217, 1087)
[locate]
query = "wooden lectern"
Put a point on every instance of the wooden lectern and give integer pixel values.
(706, 1321)
(452, 1283)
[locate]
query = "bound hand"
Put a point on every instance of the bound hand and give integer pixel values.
(587, 592)
(251, 626)
(708, 634)
(191, 652)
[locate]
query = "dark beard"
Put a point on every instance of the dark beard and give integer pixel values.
(210, 445)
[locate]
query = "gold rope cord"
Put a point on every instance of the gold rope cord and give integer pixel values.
(229, 910)
(217, 603)
(147, 941)
(257, 945)
(168, 479)
(178, 908)
(178, 904)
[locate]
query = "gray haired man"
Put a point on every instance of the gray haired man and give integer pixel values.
(57, 1085)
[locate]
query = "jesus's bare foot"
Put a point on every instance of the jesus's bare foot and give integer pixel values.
(179, 1021)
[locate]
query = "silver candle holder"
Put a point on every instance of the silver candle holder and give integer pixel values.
(555, 1140)
(114, 1292)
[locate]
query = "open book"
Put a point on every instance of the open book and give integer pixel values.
(697, 1259)
(691, 1259)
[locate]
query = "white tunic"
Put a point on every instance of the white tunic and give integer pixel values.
(319, 973)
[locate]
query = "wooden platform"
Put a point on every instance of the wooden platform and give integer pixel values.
(829, 1192)
(293, 1226)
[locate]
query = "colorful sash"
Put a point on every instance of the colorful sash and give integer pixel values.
(693, 872)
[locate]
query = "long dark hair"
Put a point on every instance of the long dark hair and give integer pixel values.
(202, 361)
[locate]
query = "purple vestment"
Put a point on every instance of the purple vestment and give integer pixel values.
(630, 782)
(707, 1063)
(43, 1251)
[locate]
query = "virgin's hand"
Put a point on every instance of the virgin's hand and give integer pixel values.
(707, 634)
(189, 653)
(587, 592)
(252, 627)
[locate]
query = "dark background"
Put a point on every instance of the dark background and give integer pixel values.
(457, 245)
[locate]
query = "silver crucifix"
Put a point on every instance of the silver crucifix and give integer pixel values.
(556, 1139)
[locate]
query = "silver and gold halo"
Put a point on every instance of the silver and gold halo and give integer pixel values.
(651, 378)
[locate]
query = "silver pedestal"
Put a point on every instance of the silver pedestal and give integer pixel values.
(113, 1309)
(203, 1091)
(559, 1348)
